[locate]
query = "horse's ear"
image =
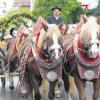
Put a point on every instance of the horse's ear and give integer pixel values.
(63, 27)
(60, 26)
(98, 20)
(43, 22)
(45, 27)
(85, 18)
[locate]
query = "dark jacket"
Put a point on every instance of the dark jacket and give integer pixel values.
(53, 20)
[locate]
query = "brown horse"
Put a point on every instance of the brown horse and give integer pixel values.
(10, 53)
(83, 58)
(40, 64)
(3, 49)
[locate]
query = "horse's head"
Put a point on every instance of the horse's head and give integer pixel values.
(90, 36)
(72, 29)
(53, 42)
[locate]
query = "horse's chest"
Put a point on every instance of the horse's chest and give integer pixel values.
(88, 74)
(51, 74)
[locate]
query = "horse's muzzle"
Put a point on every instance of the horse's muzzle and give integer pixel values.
(94, 51)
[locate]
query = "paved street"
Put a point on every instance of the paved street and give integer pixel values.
(6, 94)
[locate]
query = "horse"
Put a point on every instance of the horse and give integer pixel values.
(46, 63)
(3, 50)
(82, 60)
(10, 53)
(2, 69)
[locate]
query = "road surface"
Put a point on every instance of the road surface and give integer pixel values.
(6, 94)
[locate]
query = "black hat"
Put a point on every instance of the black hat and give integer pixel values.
(56, 7)
(11, 31)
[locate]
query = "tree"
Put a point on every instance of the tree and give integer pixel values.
(23, 16)
(70, 8)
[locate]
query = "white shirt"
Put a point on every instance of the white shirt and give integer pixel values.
(56, 17)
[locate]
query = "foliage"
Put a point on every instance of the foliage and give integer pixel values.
(16, 19)
(71, 9)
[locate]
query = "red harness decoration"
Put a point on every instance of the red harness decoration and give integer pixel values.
(39, 51)
(49, 74)
(83, 56)
(72, 49)
(31, 53)
(87, 73)
(82, 53)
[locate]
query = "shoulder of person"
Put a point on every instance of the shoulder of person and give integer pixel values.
(49, 17)
(61, 18)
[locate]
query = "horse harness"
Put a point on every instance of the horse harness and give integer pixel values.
(88, 68)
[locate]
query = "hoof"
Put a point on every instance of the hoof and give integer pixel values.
(11, 88)
(57, 94)
(24, 95)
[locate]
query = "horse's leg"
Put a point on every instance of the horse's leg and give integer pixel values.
(96, 86)
(51, 93)
(73, 88)
(11, 70)
(3, 81)
(37, 94)
(66, 82)
(11, 87)
(24, 92)
(31, 95)
(33, 85)
(33, 80)
(44, 89)
(81, 84)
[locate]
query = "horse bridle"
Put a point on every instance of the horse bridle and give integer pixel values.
(43, 61)
(92, 42)
(52, 47)
(85, 63)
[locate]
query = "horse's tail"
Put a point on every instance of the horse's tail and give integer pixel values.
(44, 89)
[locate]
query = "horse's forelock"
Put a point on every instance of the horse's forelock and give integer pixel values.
(53, 29)
(87, 29)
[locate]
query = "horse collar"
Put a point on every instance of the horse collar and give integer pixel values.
(81, 58)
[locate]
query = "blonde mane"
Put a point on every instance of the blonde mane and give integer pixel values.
(87, 28)
(53, 29)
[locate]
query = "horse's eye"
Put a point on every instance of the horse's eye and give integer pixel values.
(60, 49)
(97, 44)
(51, 51)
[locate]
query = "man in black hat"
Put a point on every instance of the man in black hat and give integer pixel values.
(55, 19)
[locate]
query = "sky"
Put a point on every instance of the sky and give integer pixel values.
(6, 3)
(91, 3)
